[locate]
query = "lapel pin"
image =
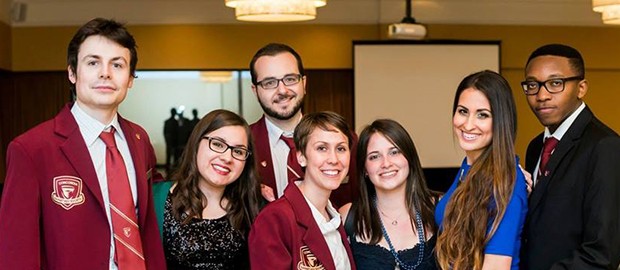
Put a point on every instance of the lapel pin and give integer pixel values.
(137, 136)
(263, 163)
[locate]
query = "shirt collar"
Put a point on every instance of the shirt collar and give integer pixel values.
(91, 128)
(326, 226)
(273, 131)
(563, 128)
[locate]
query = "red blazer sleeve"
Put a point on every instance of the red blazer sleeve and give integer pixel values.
(19, 224)
(270, 240)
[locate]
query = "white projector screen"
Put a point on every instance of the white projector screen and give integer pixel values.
(414, 84)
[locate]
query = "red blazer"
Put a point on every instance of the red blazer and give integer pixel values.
(339, 197)
(286, 236)
(52, 214)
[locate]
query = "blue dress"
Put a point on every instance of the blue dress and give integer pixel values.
(507, 238)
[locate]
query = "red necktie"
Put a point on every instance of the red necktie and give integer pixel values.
(128, 246)
(548, 148)
(292, 165)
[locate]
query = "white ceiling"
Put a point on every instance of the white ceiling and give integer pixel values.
(499, 12)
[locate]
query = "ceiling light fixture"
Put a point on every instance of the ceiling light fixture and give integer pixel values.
(275, 10)
(216, 76)
(609, 9)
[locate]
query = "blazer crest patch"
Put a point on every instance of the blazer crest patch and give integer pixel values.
(68, 191)
(308, 261)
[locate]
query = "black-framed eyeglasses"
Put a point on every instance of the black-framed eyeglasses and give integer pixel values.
(555, 85)
(219, 146)
(272, 83)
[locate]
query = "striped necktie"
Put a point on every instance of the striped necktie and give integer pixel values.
(128, 245)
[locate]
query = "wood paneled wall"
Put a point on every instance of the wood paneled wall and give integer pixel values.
(27, 99)
(330, 90)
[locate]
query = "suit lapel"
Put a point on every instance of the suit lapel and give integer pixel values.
(133, 142)
(533, 153)
(343, 236)
(561, 152)
(76, 152)
(263, 154)
(312, 238)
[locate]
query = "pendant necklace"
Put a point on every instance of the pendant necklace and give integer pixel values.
(421, 242)
(394, 220)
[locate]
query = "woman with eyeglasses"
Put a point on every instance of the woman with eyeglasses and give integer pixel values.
(301, 229)
(214, 198)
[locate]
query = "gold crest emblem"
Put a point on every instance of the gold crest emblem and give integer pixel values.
(308, 261)
(67, 191)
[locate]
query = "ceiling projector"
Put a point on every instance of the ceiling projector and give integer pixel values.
(406, 31)
(408, 28)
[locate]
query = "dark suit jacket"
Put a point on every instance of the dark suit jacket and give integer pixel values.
(52, 214)
(339, 197)
(574, 212)
(286, 236)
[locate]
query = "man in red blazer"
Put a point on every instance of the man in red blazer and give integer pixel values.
(279, 83)
(55, 211)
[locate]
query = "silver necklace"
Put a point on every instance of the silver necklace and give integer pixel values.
(394, 220)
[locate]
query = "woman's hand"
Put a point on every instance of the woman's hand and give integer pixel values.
(528, 180)
(267, 193)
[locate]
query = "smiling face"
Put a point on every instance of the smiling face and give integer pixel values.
(385, 164)
(102, 75)
(220, 169)
(552, 109)
(473, 123)
(284, 102)
(326, 159)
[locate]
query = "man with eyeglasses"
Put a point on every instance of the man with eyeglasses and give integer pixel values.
(574, 218)
(279, 83)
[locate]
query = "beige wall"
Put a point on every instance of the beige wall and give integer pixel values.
(5, 46)
(598, 46)
(330, 46)
(199, 46)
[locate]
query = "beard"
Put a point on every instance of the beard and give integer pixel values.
(285, 115)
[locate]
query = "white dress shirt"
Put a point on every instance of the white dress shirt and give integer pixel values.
(329, 229)
(279, 155)
(90, 129)
(558, 134)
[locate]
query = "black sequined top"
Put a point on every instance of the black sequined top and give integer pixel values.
(375, 257)
(203, 243)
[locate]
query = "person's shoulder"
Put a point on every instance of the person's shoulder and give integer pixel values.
(536, 140)
(520, 187)
(601, 130)
(344, 210)
(38, 135)
(134, 128)
(255, 126)
(279, 209)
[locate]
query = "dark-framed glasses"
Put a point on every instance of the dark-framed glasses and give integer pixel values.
(272, 83)
(219, 146)
(555, 85)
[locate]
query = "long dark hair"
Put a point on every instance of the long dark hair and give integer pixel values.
(485, 192)
(242, 194)
(417, 196)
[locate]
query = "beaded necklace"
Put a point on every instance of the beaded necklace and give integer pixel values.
(421, 239)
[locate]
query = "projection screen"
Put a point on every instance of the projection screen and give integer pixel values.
(414, 84)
